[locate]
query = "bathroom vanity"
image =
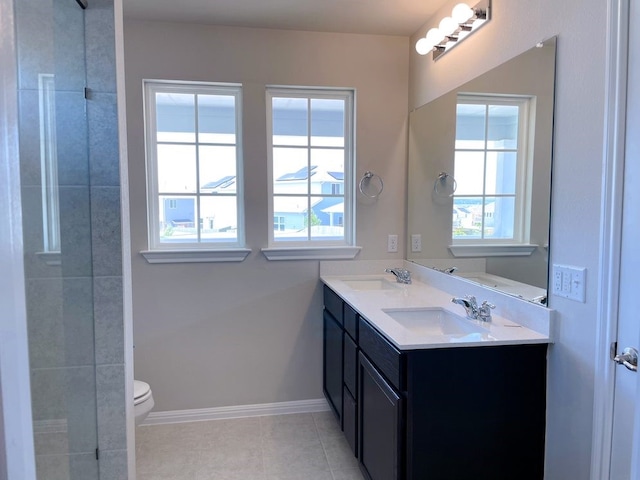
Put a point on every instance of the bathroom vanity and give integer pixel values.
(422, 404)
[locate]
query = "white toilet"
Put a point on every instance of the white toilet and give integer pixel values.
(142, 400)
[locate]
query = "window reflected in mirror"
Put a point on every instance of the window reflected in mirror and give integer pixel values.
(491, 166)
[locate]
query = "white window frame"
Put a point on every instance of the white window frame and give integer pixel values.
(518, 245)
(189, 252)
(316, 249)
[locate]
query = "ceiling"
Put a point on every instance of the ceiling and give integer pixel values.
(385, 17)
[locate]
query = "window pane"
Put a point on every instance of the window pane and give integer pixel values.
(218, 219)
(176, 169)
(330, 169)
(175, 117)
(292, 213)
(291, 170)
(470, 126)
(503, 127)
(327, 218)
(290, 121)
(217, 118)
(501, 173)
(499, 216)
(467, 217)
(218, 169)
(177, 216)
(327, 122)
(469, 173)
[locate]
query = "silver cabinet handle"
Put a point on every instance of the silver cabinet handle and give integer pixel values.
(628, 358)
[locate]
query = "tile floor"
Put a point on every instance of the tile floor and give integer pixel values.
(308, 446)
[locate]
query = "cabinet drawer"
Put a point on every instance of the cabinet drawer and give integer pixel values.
(384, 355)
(351, 321)
(333, 304)
(350, 364)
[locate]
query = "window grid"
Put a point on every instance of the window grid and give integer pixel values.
(486, 151)
(347, 148)
(197, 90)
(522, 158)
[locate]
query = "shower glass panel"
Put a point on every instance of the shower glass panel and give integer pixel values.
(56, 212)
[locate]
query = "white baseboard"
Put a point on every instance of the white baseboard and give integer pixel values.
(240, 411)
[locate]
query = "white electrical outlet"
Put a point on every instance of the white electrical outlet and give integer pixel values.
(392, 243)
(569, 282)
(416, 242)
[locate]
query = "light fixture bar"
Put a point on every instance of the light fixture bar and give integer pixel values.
(464, 20)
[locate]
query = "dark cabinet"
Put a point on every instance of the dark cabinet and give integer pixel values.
(332, 363)
(381, 434)
(434, 414)
(340, 363)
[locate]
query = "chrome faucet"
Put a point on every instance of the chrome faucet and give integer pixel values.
(475, 312)
(402, 275)
(449, 270)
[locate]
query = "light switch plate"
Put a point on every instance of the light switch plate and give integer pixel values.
(569, 282)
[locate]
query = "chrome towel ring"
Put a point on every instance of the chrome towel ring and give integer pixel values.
(365, 183)
(445, 185)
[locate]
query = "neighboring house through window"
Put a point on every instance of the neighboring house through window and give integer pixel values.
(311, 166)
(193, 138)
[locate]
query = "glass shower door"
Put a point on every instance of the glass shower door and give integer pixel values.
(54, 166)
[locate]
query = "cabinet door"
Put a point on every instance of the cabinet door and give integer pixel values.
(381, 427)
(332, 363)
(350, 420)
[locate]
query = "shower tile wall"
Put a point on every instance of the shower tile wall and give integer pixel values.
(74, 299)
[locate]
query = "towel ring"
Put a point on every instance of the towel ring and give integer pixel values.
(366, 180)
(445, 185)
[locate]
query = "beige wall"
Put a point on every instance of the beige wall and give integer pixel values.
(516, 26)
(209, 335)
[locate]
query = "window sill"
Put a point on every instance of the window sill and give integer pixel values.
(196, 256)
(311, 253)
(496, 250)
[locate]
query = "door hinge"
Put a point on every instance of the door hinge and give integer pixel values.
(613, 350)
(87, 93)
(97, 454)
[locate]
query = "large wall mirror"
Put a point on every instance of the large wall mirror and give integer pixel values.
(479, 187)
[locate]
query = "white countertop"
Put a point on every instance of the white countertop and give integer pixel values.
(371, 303)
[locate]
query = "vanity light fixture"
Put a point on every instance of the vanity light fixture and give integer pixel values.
(452, 30)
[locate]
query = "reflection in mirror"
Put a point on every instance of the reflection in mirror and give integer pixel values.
(493, 138)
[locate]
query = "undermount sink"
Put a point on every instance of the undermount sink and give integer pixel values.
(437, 321)
(370, 284)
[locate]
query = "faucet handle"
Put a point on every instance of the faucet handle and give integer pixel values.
(484, 312)
(402, 274)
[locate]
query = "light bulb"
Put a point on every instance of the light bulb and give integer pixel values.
(449, 44)
(461, 13)
(447, 26)
(423, 46)
(435, 36)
